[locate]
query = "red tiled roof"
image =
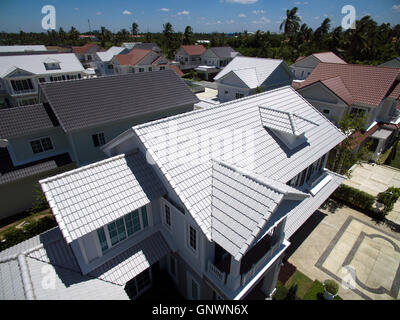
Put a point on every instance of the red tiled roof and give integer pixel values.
(328, 57)
(194, 49)
(84, 48)
(365, 84)
(337, 86)
(177, 70)
(360, 137)
(132, 58)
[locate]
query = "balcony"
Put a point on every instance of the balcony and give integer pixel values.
(22, 92)
(252, 266)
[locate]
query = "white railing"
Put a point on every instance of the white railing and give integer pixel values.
(221, 276)
(255, 268)
(24, 91)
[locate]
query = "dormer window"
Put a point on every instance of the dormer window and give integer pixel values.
(52, 66)
(289, 127)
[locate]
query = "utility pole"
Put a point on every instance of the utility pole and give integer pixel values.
(90, 29)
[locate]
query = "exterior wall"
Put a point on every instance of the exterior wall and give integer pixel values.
(21, 152)
(304, 67)
(18, 196)
(279, 78)
(231, 92)
(85, 150)
(186, 61)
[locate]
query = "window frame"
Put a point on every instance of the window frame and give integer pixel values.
(98, 136)
(41, 144)
(188, 239)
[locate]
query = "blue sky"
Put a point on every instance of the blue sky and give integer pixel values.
(202, 15)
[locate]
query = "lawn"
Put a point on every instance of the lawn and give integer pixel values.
(396, 161)
(306, 288)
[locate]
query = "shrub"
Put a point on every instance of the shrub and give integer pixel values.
(331, 286)
(291, 295)
(355, 198)
(389, 198)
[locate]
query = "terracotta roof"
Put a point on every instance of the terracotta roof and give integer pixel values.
(365, 84)
(328, 57)
(177, 70)
(132, 58)
(360, 137)
(194, 49)
(84, 48)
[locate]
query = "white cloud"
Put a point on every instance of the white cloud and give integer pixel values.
(259, 11)
(263, 20)
(126, 12)
(242, 1)
(76, 9)
(184, 12)
(99, 13)
(325, 15)
(230, 21)
(396, 7)
(242, 15)
(316, 18)
(297, 2)
(164, 9)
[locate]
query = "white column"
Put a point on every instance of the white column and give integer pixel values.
(270, 278)
(233, 279)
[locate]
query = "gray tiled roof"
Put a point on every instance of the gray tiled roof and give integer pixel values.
(133, 261)
(223, 52)
(84, 103)
(201, 135)
(92, 196)
(23, 120)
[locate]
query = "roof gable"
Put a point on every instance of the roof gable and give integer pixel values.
(133, 57)
(193, 50)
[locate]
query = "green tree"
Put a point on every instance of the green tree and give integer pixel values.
(188, 36)
(135, 29)
(291, 24)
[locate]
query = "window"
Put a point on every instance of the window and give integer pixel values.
(56, 78)
(321, 163)
(358, 113)
(192, 238)
(132, 70)
(117, 231)
(72, 77)
(162, 68)
(138, 284)
(226, 92)
(98, 139)
(326, 111)
(145, 222)
(110, 66)
(239, 95)
(52, 66)
(27, 102)
(41, 80)
(102, 238)
(141, 69)
(22, 85)
(150, 69)
(167, 215)
(302, 177)
(41, 145)
(132, 222)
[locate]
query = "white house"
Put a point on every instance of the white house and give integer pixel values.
(74, 119)
(305, 65)
(243, 75)
(87, 53)
(189, 56)
(103, 60)
(20, 75)
(186, 194)
(366, 91)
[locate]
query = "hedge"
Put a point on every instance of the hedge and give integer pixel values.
(355, 198)
(14, 236)
(389, 198)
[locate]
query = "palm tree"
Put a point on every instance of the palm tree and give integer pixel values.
(291, 24)
(188, 36)
(135, 28)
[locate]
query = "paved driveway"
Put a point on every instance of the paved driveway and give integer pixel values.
(348, 246)
(374, 179)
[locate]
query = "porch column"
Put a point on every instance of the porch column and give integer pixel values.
(233, 279)
(270, 278)
(279, 231)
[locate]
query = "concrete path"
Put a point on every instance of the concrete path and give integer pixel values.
(349, 247)
(207, 94)
(374, 179)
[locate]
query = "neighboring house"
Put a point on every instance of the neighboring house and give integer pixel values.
(138, 60)
(87, 53)
(22, 48)
(77, 118)
(243, 75)
(103, 60)
(189, 57)
(366, 91)
(178, 194)
(142, 45)
(394, 63)
(214, 59)
(21, 74)
(303, 66)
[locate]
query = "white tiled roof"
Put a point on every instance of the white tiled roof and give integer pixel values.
(90, 197)
(285, 121)
(18, 48)
(110, 53)
(252, 71)
(35, 63)
(241, 206)
(182, 146)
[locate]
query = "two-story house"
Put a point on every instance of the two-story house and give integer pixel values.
(103, 59)
(303, 66)
(87, 53)
(366, 91)
(189, 56)
(244, 75)
(20, 75)
(75, 118)
(211, 196)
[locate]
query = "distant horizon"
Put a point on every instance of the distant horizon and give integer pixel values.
(223, 16)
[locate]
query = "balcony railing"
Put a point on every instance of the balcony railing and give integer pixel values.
(15, 92)
(257, 266)
(218, 274)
